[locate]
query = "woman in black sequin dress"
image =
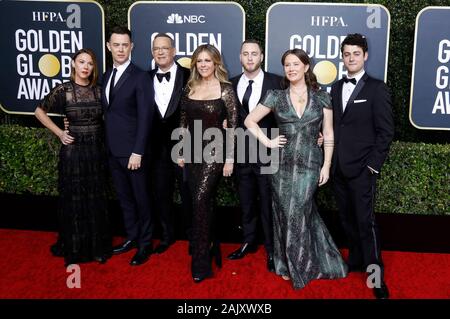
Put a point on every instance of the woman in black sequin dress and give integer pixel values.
(209, 100)
(84, 232)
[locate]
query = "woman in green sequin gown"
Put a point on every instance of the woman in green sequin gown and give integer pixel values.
(304, 249)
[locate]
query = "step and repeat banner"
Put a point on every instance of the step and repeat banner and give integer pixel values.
(190, 24)
(40, 37)
(319, 29)
(430, 87)
(38, 40)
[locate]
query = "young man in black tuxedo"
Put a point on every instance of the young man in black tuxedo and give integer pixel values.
(127, 98)
(363, 131)
(169, 79)
(254, 187)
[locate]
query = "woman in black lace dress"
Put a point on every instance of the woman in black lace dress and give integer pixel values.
(209, 100)
(84, 233)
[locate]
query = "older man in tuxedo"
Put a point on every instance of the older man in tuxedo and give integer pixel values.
(169, 79)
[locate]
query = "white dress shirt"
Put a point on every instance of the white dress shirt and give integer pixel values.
(347, 89)
(256, 89)
(164, 89)
(120, 70)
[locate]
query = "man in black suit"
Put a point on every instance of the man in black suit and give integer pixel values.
(254, 187)
(127, 97)
(169, 79)
(363, 131)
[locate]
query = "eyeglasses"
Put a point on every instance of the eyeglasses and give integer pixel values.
(164, 49)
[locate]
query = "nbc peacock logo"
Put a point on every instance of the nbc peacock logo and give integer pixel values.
(174, 18)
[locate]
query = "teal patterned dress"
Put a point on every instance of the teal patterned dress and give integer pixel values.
(304, 249)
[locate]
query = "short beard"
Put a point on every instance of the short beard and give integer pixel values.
(255, 67)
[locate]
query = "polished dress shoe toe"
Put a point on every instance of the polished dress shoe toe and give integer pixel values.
(101, 259)
(57, 249)
(381, 292)
(162, 248)
(124, 247)
(199, 279)
(242, 251)
(270, 263)
(141, 257)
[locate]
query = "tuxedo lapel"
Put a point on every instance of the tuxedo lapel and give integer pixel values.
(355, 92)
(235, 82)
(176, 93)
(339, 96)
(122, 79)
(265, 87)
(104, 84)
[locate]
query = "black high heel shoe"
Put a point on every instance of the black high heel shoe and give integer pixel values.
(216, 255)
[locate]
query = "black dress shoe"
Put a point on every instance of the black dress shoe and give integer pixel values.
(199, 279)
(101, 259)
(270, 263)
(57, 249)
(124, 247)
(382, 292)
(216, 254)
(162, 248)
(142, 255)
(242, 251)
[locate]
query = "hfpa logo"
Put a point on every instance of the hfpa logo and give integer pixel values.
(176, 18)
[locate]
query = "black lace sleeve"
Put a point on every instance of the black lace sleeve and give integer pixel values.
(183, 119)
(231, 102)
(183, 102)
(55, 100)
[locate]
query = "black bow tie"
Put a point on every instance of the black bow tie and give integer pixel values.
(346, 80)
(160, 76)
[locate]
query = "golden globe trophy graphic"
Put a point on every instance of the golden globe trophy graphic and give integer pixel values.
(49, 65)
(185, 62)
(325, 72)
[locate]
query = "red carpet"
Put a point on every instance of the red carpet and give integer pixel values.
(27, 270)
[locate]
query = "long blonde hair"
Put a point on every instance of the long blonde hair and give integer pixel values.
(220, 72)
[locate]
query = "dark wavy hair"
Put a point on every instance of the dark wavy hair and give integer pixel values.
(355, 39)
(119, 29)
(310, 77)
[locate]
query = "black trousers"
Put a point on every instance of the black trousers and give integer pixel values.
(132, 191)
(355, 198)
(255, 201)
(164, 174)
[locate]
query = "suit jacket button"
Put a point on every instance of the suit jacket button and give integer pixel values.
(342, 125)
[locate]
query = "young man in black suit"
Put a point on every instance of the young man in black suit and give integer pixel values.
(169, 79)
(127, 97)
(363, 131)
(254, 187)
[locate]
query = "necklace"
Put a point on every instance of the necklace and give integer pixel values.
(301, 99)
